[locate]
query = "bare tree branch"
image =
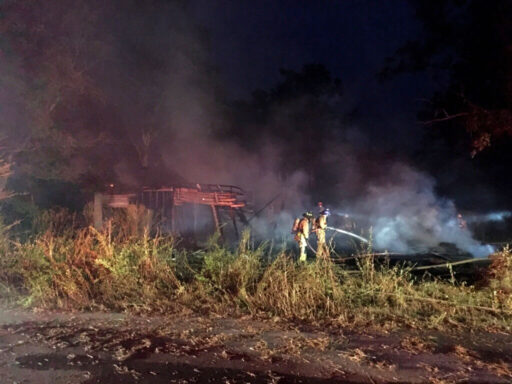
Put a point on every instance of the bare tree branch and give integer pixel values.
(449, 117)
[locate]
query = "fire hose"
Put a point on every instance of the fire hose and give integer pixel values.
(310, 247)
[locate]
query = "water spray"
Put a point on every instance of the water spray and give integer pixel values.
(491, 216)
(348, 234)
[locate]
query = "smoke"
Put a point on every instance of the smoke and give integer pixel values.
(133, 89)
(398, 202)
(407, 215)
(489, 217)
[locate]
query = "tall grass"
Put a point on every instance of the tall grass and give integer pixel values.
(500, 277)
(90, 269)
(307, 292)
(8, 276)
(87, 269)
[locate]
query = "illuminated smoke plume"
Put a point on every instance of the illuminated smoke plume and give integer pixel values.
(128, 89)
(408, 217)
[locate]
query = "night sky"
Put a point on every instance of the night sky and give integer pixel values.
(250, 41)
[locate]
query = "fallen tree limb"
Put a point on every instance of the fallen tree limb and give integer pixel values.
(452, 304)
(448, 265)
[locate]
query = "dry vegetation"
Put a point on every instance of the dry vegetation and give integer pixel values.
(86, 269)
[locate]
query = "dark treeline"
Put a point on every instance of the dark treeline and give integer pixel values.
(465, 47)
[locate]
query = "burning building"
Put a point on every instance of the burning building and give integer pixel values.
(184, 209)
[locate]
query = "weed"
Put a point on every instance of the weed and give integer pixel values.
(500, 278)
(120, 270)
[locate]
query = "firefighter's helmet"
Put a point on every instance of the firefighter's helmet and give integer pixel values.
(326, 212)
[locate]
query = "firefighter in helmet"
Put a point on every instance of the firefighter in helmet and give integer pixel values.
(460, 220)
(301, 231)
(322, 250)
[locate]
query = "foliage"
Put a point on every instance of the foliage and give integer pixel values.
(7, 261)
(19, 210)
(500, 277)
(82, 99)
(86, 269)
(466, 44)
(307, 292)
(303, 113)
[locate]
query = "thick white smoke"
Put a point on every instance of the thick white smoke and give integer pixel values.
(408, 216)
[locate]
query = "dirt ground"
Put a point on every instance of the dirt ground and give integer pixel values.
(59, 348)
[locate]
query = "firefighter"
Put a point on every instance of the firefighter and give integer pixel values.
(301, 231)
(322, 251)
(462, 223)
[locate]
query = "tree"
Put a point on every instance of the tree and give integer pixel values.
(298, 117)
(467, 45)
(90, 78)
